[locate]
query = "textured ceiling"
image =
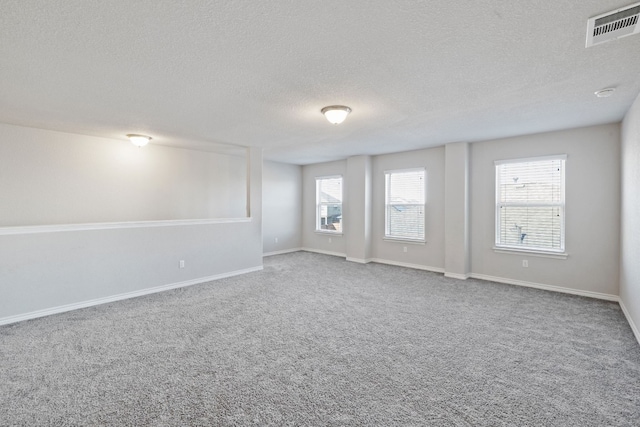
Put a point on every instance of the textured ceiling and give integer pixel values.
(202, 73)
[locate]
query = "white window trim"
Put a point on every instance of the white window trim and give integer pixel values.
(405, 240)
(531, 159)
(318, 229)
(530, 252)
(387, 236)
(406, 170)
(549, 253)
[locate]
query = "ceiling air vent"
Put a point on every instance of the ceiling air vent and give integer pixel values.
(613, 25)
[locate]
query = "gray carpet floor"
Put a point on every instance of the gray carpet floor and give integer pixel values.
(315, 340)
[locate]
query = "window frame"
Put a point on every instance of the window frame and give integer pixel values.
(319, 204)
(503, 247)
(387, 205)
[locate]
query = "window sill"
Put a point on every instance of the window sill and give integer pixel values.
(331, 233)
(530, 252)
(401, 240)
(33, 229)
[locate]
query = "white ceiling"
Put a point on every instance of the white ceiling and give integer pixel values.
(202, 73)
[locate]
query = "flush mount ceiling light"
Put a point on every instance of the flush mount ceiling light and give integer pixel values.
(336, 113)
(139, 140)
(605, 93)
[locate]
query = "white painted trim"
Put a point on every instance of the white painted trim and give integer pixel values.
(284, 251)
(531, 159)
(401, 240)
(529, 252)
(32, 229)
(319, 251)
(418, 169)
(328, 177)
(404, 264)
(634, 328)
(359, 260)
(553, 288)
(119, 297)
(328, 232)
(456, 276)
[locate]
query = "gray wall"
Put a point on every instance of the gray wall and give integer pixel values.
(457, 217)
(282, 207)
(321, 242)
(41, 271)
(630, 223)
(431, 254)
(51, 177)
(592, 213)
(51, 269)
(592, 209)
(358, 193)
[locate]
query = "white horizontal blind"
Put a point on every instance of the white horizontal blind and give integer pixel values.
(530, 204)
(329, 204)
(405, 204)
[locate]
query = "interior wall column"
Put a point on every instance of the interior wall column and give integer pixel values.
(357, 209)
(456, 225)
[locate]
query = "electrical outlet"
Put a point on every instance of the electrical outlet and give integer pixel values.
(329, 239)
(276, 240)
(181, 263)
(525, 263)
(404, 249)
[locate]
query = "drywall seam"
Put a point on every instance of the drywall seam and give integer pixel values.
(561, 289)
(119, 297)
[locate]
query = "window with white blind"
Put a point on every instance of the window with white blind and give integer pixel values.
(530, 204)
(329, 204)
(405, 204)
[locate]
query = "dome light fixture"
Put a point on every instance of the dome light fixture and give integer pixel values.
(336, 113)
(605, 93)
(139, 140)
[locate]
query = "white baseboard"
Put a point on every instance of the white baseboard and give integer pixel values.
(119, 297)
(589, 294)
(456, 276)
(359, 260)
(404, 264)
(319, 251)
(285, 251)
(634, 328)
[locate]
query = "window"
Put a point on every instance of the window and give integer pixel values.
(530, 204)
(329, 204)
(404, 204)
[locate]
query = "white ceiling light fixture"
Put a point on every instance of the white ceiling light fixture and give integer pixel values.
(605, 93)
(336, 113)
(139, 140)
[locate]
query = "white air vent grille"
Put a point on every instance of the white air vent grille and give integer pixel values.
(613, 25)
